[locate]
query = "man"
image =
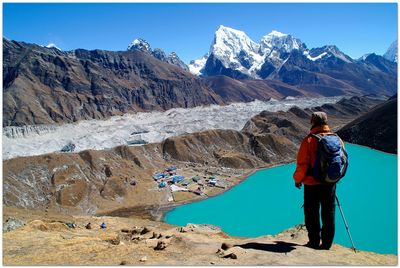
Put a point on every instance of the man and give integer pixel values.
(315, 193)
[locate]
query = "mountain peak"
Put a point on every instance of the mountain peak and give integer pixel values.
(229, 43)
(363, 57)
(277, 34)
(139, 44)
(391, 53)
(223, 28)
(224, 32)
(52, 45)
(142, 45)
(280, 41)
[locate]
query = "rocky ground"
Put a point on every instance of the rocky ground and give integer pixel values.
(46, 239)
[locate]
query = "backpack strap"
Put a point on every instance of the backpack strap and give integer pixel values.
(317, 136)
(320, 135)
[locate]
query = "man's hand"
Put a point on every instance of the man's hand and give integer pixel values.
(298, 185)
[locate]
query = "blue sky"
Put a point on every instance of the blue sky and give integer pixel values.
(188, 29)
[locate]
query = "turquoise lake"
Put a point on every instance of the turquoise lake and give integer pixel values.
(267, 203)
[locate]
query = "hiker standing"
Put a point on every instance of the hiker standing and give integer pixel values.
(316, 193)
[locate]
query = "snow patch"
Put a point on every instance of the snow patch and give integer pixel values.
(320, 56)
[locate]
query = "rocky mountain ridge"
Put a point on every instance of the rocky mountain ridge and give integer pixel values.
(376, 129)
(142, 45)
(45, 85)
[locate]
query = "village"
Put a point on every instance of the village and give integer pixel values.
(188, 183)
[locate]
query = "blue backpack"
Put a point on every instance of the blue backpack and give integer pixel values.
(331, 161)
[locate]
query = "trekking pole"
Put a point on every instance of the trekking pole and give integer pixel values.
(345, 224)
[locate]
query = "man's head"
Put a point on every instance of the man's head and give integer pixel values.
(319, 118)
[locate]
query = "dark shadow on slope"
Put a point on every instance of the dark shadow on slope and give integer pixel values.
(279, 246)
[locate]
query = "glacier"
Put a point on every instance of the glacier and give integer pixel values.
(150, 127)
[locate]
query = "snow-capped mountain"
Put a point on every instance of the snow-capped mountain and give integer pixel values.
(233, 53)
(142, 45)
(275, 49)
(52, 45)
(391, 53)
(234, 49)
(139, 44)
(282, 57)
(277, 41)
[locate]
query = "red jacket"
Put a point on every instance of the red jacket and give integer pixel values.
(306, 156)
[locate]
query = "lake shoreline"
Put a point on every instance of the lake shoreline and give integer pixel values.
(379, 163)
(242, 178)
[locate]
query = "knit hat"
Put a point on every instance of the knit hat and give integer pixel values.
(319, 118)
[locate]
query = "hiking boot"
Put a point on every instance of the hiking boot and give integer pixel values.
(325, 246)
(312, 245)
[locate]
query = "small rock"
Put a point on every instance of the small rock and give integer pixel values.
(88, 226)
(123, 263)
(145, 230)
(114, 241)
(182, 230)
(12, 224)
(154, 235)
(125, 230)
(160, 245)
(211, 262)
(226, 246)
(107, 170)
(220, 253)
(136, 230)
(231, 255)
(168, 236)
(135, 237)
(143, 259)
(70, 225)
(159, 236)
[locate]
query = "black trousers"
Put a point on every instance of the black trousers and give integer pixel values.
(316, 196)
